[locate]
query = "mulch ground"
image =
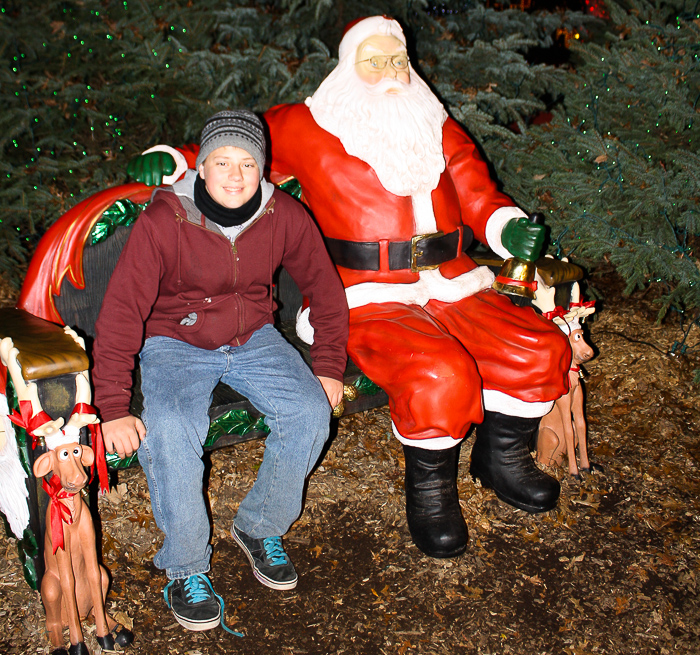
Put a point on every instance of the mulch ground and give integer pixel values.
(612, 570)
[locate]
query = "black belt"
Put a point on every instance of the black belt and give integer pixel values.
(422, 252)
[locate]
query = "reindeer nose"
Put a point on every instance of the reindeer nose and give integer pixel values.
(77, 481)
(70, 472)
(585, 353)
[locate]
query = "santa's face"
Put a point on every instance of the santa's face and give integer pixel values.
(382, 57)
(231, 176)
(384, 115)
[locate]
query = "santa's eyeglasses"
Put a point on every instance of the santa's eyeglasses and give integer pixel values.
(379, 62)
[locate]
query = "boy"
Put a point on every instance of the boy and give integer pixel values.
(192, 295)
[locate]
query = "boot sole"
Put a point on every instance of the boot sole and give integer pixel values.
(443, 555)
(530, 509)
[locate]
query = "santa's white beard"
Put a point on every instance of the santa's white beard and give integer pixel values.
(398, 134)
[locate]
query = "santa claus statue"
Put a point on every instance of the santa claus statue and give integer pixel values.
(399, 191)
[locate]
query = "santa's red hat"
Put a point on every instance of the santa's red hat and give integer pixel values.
(361, 29)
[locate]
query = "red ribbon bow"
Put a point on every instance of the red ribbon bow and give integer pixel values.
(60, 514)
(98, 446)
(586, 304)
(24, 419)
(557, 312)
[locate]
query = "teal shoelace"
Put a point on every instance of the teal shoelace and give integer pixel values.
(274, 551)
(198, 589)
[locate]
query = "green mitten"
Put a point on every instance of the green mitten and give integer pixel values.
(151, 168)
(523, 239)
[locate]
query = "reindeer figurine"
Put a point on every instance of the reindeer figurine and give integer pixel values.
(563, 430)
(74, 584)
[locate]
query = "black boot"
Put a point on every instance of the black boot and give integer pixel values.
(502, 461)
(432, 505)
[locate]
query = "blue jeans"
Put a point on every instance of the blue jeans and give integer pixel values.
(177, 380)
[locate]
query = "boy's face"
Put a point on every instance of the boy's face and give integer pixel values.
(231, 176)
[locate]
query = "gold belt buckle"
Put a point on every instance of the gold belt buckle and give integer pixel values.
(417, 253)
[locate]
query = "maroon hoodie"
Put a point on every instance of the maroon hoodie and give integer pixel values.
(176, 262)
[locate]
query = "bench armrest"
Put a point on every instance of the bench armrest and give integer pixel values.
(45, 350)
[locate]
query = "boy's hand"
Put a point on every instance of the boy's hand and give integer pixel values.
(123, 435)
(333, 389)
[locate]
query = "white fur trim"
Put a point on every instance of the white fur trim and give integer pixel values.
(567, 327)
(423, 214)
(305, 331)
(434, 443)
(430, 286)
(180, 162)
(68, 434)
(494, 227)
(497, 401)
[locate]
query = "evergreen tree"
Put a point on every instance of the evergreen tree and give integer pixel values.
(617, 169)
(86, 85)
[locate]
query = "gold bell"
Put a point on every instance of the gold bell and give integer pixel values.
(517, 276)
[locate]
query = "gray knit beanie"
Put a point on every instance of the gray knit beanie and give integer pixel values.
(239, 128)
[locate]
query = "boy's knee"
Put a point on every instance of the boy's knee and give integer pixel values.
(318, 412)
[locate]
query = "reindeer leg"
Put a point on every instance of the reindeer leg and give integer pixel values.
(565, 407)
(104, 577)
(550, 448)
(93, 574)
(68, 594)
(580, 428)
(118, 634)
(51, 598)
(67, 579)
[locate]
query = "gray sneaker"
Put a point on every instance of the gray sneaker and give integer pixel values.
(271, 565)
(193, 602)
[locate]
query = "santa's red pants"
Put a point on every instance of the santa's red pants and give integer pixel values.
(433, 361)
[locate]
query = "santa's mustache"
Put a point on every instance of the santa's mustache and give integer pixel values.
(396, 86)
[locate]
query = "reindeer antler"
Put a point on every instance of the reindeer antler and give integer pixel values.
(27, 392)
(24, 391)
(83, 396)
(544, 297)
(74, 335)
(544, 300)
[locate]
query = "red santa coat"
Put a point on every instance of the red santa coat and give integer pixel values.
(434, 360)
(349, 203)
